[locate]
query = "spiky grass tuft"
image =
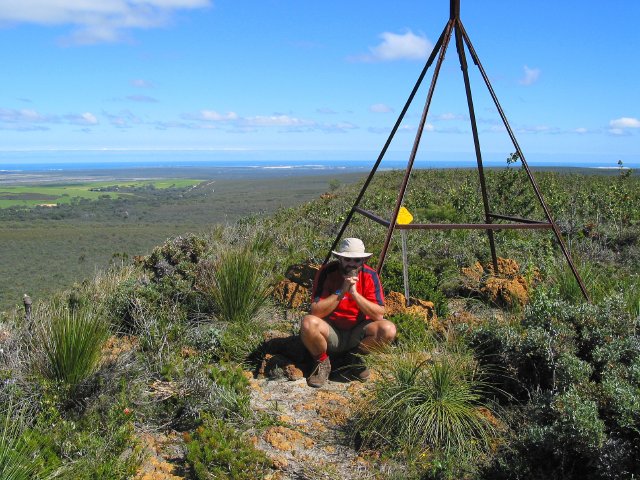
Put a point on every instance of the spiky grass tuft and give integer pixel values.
(239, 287)
(18, 458)
(428, 405)
(71, 342)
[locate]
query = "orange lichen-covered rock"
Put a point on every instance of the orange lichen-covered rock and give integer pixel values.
(291, 294)
(303, 273)
(286, 439)
(395, 303)
(509, 288)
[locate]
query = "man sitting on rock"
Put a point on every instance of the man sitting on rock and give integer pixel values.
(346, 311)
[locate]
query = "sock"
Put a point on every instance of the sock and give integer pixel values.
(322, 357)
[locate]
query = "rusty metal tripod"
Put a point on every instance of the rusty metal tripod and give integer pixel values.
(455, 26)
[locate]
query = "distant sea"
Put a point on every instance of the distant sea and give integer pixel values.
(191, 163)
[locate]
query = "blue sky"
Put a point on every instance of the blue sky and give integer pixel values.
(317, 80)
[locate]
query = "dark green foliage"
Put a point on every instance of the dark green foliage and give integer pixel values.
(97, 444)
(411, 329)
(178, 257)
(572, 368)
(20, 456)
(230, 379)
(422, 284)
(176, 268)
(218, 451)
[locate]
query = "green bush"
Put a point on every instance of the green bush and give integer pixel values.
(422, 284)
(232, 389)
(573, 370)
(412, 330)
(240, 339)
(99, 443)
(218, 451)
(176, 269)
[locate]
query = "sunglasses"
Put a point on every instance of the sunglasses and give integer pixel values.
(352, 261)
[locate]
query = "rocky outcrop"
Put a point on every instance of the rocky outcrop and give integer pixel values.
(295, 291)
(506, 288)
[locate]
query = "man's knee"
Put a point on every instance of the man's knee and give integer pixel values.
(382, 331)
(310, 324)
(386, 331)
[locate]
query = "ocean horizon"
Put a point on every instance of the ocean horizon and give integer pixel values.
(42, 161)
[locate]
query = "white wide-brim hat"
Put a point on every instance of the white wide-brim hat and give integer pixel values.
(351, 248)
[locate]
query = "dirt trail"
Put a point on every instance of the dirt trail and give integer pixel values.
(309, 440)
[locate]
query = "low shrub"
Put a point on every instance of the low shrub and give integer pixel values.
(413, 330)
(573, 370)
(216, 450)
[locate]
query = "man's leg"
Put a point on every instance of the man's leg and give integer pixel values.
(367, 336)
(377, 334)
(314, 333)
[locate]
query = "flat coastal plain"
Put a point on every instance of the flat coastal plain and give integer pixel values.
(58, 228)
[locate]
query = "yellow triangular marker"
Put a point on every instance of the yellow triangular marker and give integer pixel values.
(404, 217)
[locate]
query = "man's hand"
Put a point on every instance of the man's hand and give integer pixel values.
(350, 284)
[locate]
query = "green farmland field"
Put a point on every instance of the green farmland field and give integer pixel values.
(49, 194)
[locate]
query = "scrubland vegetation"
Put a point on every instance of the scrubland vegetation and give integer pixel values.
(543, 386)
(45, 249)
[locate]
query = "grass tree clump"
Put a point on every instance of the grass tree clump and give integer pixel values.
(71, 343)
(239, 287)
(18, 457)
(431, 409)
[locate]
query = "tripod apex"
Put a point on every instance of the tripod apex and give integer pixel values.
(454, 9)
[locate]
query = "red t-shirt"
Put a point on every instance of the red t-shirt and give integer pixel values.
(329, 279)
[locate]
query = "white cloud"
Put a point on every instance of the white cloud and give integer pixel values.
(380, 108)
(341, 127)
(326, 111)
(140, 83)
(394, 46)
(28, 119)
(95, 21)
(531, 76)
(624, 122)
(86, 118)
(277, 121)
(23, 120)
(580, 130)
(212, 116)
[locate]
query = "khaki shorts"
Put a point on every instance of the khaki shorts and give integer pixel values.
(343, 340)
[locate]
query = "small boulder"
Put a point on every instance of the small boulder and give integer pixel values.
(291, 294)
(303, 274)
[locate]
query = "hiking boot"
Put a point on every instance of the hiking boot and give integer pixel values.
(350, 367)
(320, 374)
(358, 369)
(360, 372)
